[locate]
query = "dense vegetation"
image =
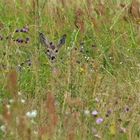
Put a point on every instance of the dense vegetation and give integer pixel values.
(91, 91)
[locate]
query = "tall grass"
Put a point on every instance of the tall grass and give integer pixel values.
(93, 92)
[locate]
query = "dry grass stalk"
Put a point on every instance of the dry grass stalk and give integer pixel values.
(100, 9)
(29, 137)
(134, 9)
(22, 127)
(90, 7)
(63, 2)
(59, 17)
(79, 20)
(71, 125)
(52, 115)
(33, 5)
(12, 85)
(7, 116)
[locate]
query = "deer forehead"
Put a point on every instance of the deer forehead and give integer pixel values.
(52, 46)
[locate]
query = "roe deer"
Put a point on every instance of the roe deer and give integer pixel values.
(52, 50)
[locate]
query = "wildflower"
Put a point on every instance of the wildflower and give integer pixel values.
(11, 101)
(97, 136)
(17, 30)
(19, 40)
(121, 63)
(25, 29)
(19, 93)
(3, 128)
(35, 132)
(95, 113)
(122, 130)
(96, 99)
(87, 58)
(8, 106)
(82, 49)
(31, 114)
(22, 101)
(86, 112)
(99, 120)
(82, 70)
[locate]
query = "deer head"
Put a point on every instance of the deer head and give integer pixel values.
(52, 50)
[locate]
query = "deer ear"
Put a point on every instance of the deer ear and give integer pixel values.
(62, 41)
(44, 40)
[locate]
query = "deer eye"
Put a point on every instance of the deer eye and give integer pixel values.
(48, 50)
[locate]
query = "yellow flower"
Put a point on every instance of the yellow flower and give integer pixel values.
(82, 70)
(112, 128)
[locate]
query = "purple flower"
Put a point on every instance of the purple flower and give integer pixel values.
(19, 40)
(17, 30)
(95, 113)
(99, 120)
(24, 29)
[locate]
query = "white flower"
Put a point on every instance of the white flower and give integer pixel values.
(31, 114)
(3, 128)
(86, 112)
(97, 136)
(22, 101)
(8, 106)
(123, 130)
(35, 132)
(11, 101)
(19, 93)
(95, 113)
(96, 99)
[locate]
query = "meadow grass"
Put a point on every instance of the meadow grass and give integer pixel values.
(91, 92)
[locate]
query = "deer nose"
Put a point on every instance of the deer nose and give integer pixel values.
(53, 57)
